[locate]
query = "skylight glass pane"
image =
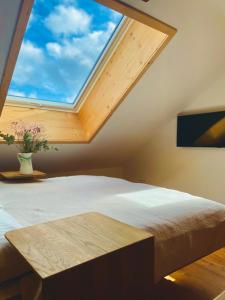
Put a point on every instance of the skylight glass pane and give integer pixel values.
(63, 42)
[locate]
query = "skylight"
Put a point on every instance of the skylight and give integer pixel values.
(63, 43)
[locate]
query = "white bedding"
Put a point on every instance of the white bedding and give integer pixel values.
(185, 227)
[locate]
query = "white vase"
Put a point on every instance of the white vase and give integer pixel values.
(25, 160)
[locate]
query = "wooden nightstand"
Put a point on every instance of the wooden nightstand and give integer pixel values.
(14, 175)
(88, 257)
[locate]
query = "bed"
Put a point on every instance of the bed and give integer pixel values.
(185, 227)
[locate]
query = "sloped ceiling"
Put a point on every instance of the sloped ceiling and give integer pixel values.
(8, 17)
(191, 62)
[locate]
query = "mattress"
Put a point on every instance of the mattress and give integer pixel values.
(185, 227)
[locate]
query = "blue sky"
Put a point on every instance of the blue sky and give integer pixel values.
(62, 43)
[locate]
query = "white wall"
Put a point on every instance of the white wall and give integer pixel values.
(54, 166)
(116, 172)
(200, 171)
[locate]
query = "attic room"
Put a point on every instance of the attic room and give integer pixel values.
(112, 137)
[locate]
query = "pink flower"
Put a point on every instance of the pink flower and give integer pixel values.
(20, 128)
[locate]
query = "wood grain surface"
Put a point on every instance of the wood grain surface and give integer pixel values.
(89, 256)
(11, 175)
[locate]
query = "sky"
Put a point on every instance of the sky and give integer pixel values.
(62, 43)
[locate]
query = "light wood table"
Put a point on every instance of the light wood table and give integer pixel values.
(14, 175)
(88, 257)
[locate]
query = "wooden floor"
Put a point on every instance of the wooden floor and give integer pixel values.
(202, 280)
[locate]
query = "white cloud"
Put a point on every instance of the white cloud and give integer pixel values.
(29, 57)
(68, 20)
(57, 70)
(66, 49)
(54, 49)
(115, 16)
(83, 49)
(32, 95)
(32, 51)
(111, 26)
(42, 74)
(16, 93)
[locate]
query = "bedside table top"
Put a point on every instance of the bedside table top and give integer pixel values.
(53, 247)
(16, 175)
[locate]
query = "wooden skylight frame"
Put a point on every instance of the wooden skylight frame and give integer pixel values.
(141, 45)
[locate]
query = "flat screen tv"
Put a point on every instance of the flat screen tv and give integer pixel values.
(201, 130)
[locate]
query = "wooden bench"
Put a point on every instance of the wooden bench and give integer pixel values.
(89, 256)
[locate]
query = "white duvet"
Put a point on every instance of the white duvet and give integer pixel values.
(185, 227)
